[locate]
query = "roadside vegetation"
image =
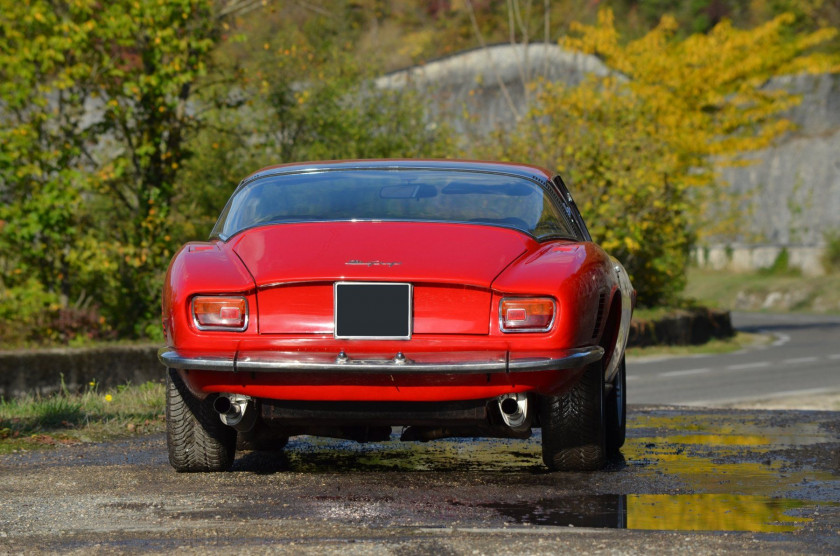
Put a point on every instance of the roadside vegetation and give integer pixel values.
(740, 341)
(831, 257)
(35, 421)
(124, 126)
(764, 290)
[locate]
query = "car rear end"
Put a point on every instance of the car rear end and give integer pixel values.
(347, 327)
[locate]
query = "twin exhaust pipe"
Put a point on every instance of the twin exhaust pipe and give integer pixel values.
(238, 411)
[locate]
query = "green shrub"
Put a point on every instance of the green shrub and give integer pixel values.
(31, 315)
(781, 266)
(831, 254)
(23, 310)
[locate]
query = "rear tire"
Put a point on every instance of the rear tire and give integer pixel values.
(573, 431)
(616, 411)
(195, 436)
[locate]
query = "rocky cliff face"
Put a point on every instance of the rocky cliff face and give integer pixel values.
(791, 192)
(482, 89)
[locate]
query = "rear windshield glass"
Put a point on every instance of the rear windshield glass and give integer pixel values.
(403, 195)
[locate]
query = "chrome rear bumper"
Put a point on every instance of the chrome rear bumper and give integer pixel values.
(297, 362)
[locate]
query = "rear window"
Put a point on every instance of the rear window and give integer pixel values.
(396, 194)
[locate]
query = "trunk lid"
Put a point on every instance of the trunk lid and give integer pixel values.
(451, 268)
(439, 253)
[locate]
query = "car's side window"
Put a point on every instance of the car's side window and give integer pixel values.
(572, 209)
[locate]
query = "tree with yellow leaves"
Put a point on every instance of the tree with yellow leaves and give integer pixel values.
(638, 145)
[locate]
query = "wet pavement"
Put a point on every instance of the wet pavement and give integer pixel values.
(688, 480)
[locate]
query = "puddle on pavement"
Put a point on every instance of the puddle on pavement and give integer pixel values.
(679, 512)
(718, 453)
(726, 429)
(733, 472)
(708, 452)
(318, 455)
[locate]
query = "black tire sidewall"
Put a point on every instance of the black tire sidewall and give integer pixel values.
(616, 411)
(196, 438)
(573, 424)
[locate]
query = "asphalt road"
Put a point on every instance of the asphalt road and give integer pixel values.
(689, 481)
(803, 359)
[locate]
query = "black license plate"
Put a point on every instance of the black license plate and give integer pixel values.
(372, 310)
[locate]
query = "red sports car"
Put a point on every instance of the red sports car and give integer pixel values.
(449, 298)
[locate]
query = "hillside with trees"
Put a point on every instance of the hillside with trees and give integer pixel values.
(124, 126)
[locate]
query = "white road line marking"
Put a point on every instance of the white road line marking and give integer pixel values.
(755, 365)
(632, 377)
(800, 360)
(834, 356)
(781, 339)
(685, 373)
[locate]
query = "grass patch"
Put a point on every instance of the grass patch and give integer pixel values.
(653, 313)
(831, 256)
(741, 340)
(764, 291)
(781, 266)
(78, 343)
(33, 422)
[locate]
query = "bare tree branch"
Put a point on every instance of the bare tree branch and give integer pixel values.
(499, 79)
(547, 34)
(238, 7)
(525, 65)
(314, 8)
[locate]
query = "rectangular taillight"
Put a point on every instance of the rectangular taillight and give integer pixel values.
(213, 312)
(526, 314)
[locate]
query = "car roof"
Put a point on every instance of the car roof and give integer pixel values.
(522, 170)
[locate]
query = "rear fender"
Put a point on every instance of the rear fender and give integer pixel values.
(617, 329)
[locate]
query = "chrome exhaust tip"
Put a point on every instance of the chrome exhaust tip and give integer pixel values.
(514, 409)
(231, 408)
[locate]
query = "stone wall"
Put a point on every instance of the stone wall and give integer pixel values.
(748, 258)
(42, 371)
(681, 328)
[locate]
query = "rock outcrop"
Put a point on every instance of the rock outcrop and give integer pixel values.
(792, 190)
